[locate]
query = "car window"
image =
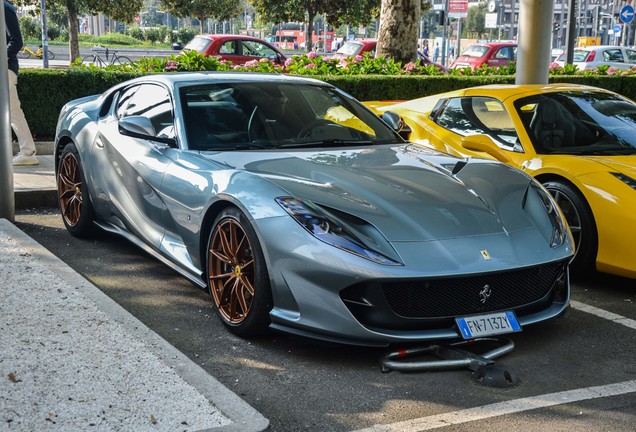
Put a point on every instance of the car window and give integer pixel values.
(236, 116)
(228, 47)
(504, 53)
(631, 55)
(479, 115)
(153, 102)
(257, 49)
(124, 99)
(593, 123)
(613, 55)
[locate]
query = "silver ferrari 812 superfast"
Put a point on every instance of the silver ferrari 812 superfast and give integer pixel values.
(300, 210)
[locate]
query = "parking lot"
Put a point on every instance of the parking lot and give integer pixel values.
(575, 373)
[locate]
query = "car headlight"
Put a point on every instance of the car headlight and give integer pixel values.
(625, 179)
(544, 211)
(341, 230)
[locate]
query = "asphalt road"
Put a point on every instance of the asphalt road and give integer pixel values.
(299, 384)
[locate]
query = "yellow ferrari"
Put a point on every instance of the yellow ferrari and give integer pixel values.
(578, 141)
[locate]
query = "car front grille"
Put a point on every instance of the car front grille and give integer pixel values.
(429, 304)
(458, 296)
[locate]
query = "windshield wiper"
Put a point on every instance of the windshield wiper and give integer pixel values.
(326, 143)
(234, 147)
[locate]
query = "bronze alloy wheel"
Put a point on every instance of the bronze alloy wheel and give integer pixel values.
(231, 271)
(69, 189)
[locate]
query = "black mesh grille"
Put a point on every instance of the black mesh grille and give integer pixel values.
(461, 296)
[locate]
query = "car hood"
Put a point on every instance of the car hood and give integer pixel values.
(407, 192)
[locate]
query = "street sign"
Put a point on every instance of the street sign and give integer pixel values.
(627, 14)
(458, 8)
(491, 20)
(617, 29)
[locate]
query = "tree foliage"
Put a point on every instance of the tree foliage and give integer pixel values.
(201, 9)
(476, 20)
(352, 12)
(339, 12)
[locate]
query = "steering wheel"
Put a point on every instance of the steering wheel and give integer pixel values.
(304, 132)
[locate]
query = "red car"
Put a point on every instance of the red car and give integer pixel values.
(356, 47)
(487, 54)
(238, 49)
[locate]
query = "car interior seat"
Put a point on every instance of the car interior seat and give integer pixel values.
(551, 128)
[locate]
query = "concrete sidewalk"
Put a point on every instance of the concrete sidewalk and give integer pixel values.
(73, 359)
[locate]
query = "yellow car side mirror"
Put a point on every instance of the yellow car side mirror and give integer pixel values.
(485, 144)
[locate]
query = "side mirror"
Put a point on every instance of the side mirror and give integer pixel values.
(141, 127)
(137, 126)
(485, 144)
(397, 124)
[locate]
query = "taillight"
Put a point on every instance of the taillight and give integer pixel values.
(590, 56)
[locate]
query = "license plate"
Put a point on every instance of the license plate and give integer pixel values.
(488, 325)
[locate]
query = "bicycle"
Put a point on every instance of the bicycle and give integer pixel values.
(97, 60)
(26, 53)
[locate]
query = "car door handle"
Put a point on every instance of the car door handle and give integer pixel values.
(98, 142)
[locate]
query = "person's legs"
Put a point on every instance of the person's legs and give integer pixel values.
(26, 156)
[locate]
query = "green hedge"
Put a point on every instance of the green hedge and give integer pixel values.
(43, 92)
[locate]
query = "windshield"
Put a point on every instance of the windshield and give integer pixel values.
(579, 122)
(580, 55)
(267, 115)
(198, 44)
(350, 49)
(476, 51)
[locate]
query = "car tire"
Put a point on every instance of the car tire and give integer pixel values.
(73, 198)
(238, 281)
(579, 216)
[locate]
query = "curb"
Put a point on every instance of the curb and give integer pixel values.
(41, 147)
(37, 198)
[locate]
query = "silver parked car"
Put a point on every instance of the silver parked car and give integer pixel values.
(591, 57)
(300, 210)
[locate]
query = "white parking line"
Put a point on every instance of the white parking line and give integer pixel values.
(523, 404)
(504, 408)
(604, 314)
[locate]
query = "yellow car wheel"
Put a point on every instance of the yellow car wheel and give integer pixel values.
(582, 225)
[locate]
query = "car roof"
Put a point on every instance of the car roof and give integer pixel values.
(504, 91)
(365, 42)
(194, 77)
(495, 44)
(228, 37)
(498, 91)
(600, 47)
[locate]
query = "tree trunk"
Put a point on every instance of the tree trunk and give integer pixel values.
(201, 20)
(309, 40)
(73, 30)
(399, 25)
